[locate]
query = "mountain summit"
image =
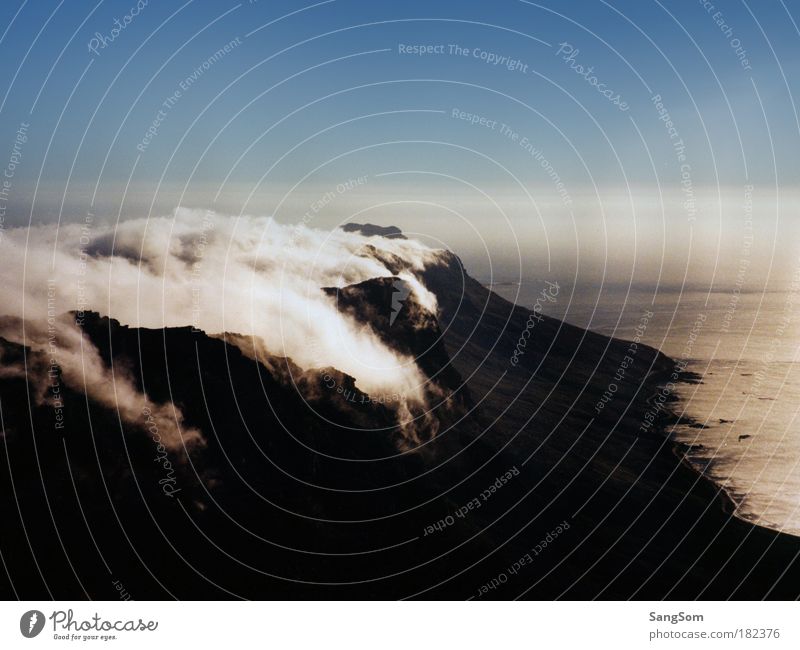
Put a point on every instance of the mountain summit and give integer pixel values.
(371, 230)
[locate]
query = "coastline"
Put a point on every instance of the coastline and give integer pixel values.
(635, 494)
(727, 503)
(731, 504)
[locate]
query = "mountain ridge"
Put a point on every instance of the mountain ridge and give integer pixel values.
(302, 490)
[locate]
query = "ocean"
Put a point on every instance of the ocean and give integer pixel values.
(746, 349)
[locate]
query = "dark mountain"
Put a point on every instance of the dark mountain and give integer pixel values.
(371, 230)
(306, 487)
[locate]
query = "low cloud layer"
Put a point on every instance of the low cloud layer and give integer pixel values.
(247, 275)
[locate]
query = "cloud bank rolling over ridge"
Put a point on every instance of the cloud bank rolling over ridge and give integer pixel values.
(249, 276)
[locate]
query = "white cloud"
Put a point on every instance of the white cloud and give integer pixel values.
(248, 275)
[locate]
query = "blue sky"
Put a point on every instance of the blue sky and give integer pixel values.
(323, 94)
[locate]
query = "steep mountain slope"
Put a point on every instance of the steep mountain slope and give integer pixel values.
(505, 482)
(644, 524)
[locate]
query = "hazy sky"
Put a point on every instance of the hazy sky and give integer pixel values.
(271, 107)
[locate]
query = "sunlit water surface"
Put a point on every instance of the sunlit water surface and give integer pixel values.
(746, 351)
